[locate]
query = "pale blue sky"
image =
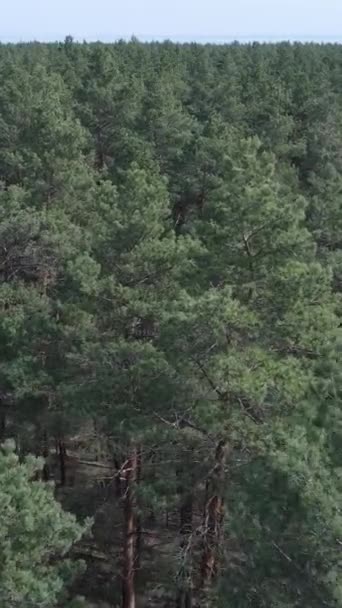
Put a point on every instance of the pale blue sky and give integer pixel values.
(192, 19)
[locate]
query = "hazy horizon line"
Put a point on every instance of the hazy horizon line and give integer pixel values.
(14, 38)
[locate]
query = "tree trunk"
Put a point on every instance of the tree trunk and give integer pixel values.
(3, 425)
(184, 591)
(45, 453)
(62, 465)
(184, 598)
(152, 479)
(129, 541)
(117, 478)
(185, 513)
(213, 523)
(213, 517)
(138, 540)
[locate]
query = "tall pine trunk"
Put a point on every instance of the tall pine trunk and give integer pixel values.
(62, 461)
(45, 454)
(3, 426)
(151, 519)
(184, 590)
(138, 540)
(213, 517)
(117, 477)
(130, 530)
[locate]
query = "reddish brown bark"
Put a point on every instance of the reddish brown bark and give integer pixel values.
(130, 525)
(213, 517)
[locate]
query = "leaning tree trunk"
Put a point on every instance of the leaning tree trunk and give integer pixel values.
(213, 518)
(130, 530)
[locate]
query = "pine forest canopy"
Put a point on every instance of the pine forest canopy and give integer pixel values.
(170, 325)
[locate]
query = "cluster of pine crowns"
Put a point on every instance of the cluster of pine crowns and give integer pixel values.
(170, 323)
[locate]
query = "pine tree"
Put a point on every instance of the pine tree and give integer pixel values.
(36, 536)
(254, 339)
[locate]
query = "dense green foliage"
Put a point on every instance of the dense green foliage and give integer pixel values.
(35, 534)
(171, 272)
